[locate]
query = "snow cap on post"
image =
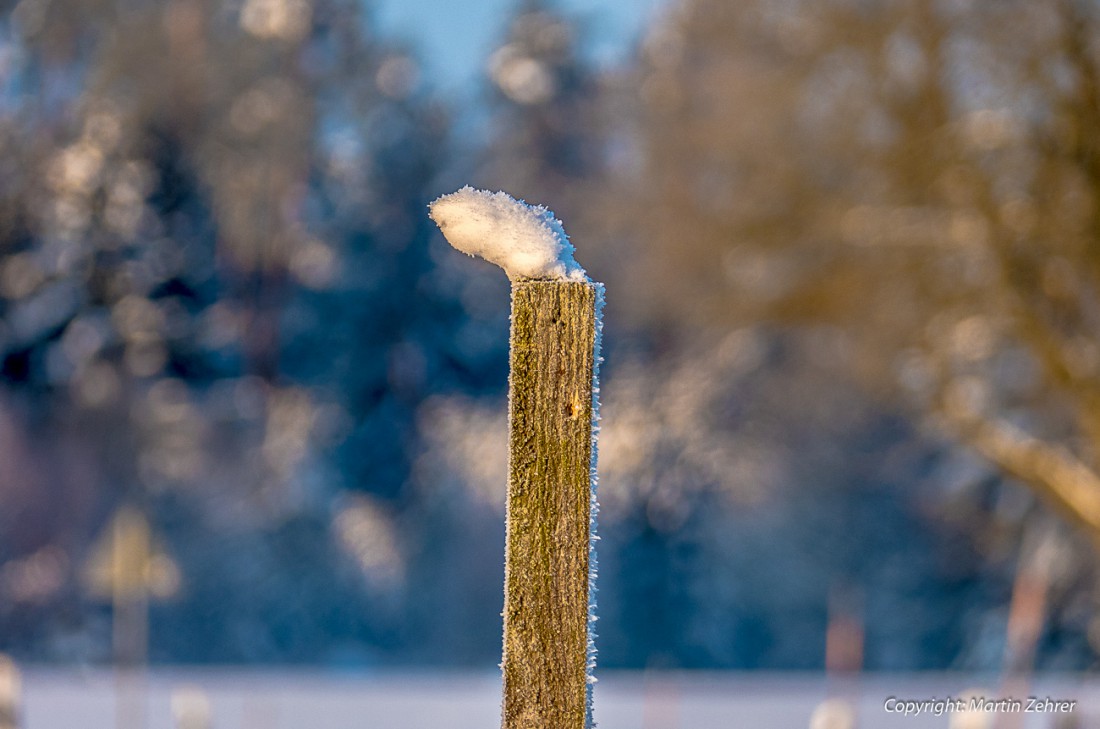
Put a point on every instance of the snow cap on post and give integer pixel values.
(527, 241)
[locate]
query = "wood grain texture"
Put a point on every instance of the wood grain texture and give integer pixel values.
(549, 500)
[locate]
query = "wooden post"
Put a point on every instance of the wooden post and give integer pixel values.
(126, 568)
(190, 708)
(10, 688)
(550, 441)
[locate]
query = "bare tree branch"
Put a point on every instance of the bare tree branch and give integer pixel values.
(1051, 471)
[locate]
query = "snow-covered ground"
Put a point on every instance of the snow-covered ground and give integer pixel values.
(312, 700)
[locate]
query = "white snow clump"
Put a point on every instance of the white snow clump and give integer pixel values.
(527, 241)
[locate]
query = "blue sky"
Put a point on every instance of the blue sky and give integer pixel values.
(453, 38)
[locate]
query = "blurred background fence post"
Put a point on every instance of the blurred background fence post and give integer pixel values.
(127, 567)
(190, 708)
(10, 688)
(549, 505)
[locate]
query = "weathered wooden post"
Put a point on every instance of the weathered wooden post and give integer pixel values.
(548, 650)
(546, 592)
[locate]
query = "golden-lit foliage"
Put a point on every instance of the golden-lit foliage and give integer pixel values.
(922, 178)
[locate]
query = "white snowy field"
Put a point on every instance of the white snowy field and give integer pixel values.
(54, 699)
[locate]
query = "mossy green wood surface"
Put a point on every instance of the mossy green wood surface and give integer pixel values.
(549, 501)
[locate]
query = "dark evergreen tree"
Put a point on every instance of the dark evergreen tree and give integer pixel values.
(218, 301)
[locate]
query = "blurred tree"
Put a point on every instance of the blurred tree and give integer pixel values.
(214, 278)
(543, 105)
(912, 184)
(921, 176)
